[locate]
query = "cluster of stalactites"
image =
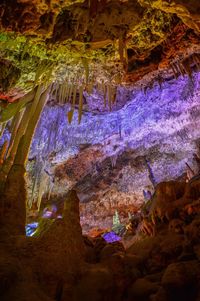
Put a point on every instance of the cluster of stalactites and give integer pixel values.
(186, 66)
(73, 94)
(22, 118)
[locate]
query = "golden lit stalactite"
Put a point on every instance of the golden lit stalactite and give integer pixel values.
(13, 198)
(3, 126)
(21, 129)
(14, 127)
(71, 112)
(18, 127)
(36, 110)
(13, 108)
(3, 151)
(16, 139)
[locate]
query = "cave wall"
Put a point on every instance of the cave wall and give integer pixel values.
(104, 156)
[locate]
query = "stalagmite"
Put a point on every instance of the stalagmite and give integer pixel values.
(13, 200)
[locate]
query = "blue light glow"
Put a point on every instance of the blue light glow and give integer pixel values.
(31, 228)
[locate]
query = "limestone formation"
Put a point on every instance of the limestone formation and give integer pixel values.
(99, 118)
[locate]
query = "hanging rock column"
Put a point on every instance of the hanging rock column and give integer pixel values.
(13, 196)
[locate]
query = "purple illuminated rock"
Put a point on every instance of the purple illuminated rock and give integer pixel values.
(104, 157)
(111, 237)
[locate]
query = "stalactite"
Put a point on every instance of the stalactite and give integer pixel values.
(151, 175)
(160, 81)
(174, 70)
(38, 104)
(50, 188)
(186, 67)
(181, 69)
(67, 92)
(70, 116)
(3, 151)
(121, 49)
(74, 95)
(43, 72)
(114, 94)
(20, 131)
(64, 99)
(60, 94)
(86, 68)
(42, 187)
(13, 108)
(196, 61)
(71, 112)
(13, 196)
(70, 92)
(113, 160)
(63, 94)
(196, 57)
(145, 90)
(90, 87)
(80, 109)
(125, 56)
(56, 89)
(3, 126)
(37, 170)
(109, 96)
(14, 127)
(27, 115)
(104, 94)
(190, 172)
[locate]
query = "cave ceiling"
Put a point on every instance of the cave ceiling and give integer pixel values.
(148, 51)
(93, 41)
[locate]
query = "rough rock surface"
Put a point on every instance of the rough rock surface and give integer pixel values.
(104, 157)
(54, 265)
(116, 40)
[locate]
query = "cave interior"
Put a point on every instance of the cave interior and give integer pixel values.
(100, 150)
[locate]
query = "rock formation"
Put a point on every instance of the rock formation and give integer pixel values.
(99, 150)
(104, 157)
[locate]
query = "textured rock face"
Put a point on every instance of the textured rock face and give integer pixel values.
(105, 157)
(120, 41)
(60, 264)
